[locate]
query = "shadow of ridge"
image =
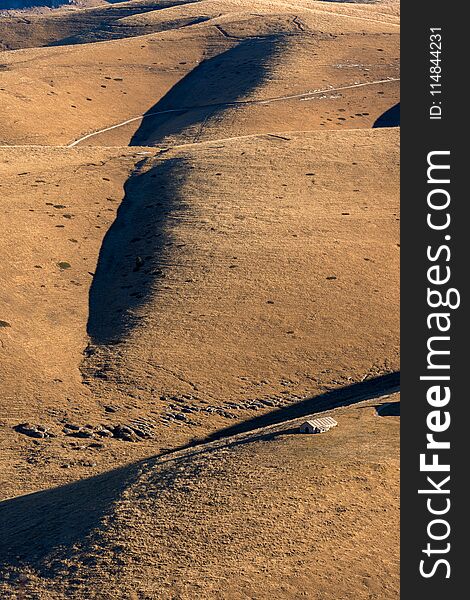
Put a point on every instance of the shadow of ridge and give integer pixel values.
(211, 87)
(41, 527)
(135, 250)
(44, 529)
(36, 524)
(357, 392)
(390, 118)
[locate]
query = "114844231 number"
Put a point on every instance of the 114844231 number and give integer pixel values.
(435, 71)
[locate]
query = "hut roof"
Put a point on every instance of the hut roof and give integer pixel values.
(321, 423)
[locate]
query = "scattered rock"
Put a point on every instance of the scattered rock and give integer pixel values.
(143, 427)
(86, 463)
(35, 431)
(71, 426)
(226, 414)
(96, 445)
(4, 324)
(87, 431)
(123, 432)
(103, 432)
(141, 432)
(84, 432)
(268, 402)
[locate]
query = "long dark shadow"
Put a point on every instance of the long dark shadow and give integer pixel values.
(36, 527)
(43, 529)
(33, 525)
(135, 250)
(208, 90)
(357, 392)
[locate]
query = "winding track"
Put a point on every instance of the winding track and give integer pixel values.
(303, 96)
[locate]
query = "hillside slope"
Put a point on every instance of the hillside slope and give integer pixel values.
(225, 69)
(200, 248)
(214, 291)
(261, 515)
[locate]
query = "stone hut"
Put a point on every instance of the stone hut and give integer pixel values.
(319, 425)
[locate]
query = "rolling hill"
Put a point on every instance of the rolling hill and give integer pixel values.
(200, 248)
(257, 515)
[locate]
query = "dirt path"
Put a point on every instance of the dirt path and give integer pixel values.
(303, 96)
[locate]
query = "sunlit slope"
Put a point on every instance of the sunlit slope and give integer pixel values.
(236, 70)
(56, 207)
(251, 267)
(255, 269)
(267, 514)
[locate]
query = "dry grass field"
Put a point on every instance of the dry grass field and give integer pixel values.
(200, 248)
